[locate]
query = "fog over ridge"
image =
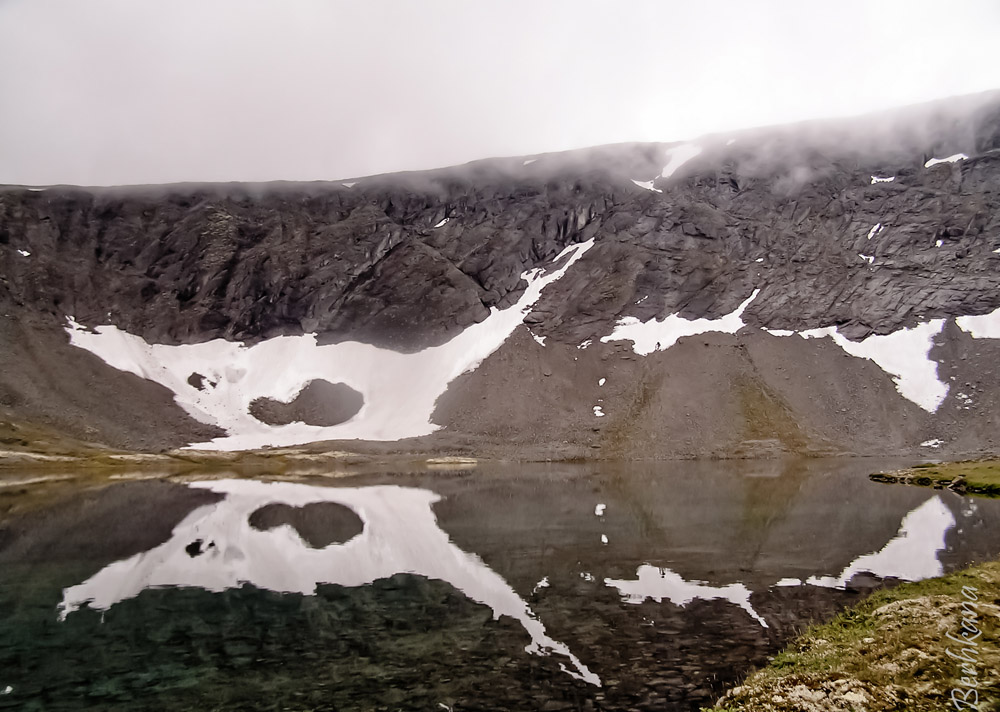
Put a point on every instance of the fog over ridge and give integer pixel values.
(114, 92)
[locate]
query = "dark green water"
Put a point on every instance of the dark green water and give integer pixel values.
(505, 588)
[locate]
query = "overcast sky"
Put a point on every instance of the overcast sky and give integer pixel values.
(101, 92)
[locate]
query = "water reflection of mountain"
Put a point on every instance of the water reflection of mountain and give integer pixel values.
(216, 548)
(754, 522)
(664, 614)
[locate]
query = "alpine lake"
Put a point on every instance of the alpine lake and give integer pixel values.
(601, 586)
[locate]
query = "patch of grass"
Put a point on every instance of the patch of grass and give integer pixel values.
(978, 477)
(887, 653)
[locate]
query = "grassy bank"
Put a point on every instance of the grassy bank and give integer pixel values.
(891, 653)
(979, 477)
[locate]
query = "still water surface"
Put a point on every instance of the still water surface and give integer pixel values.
(588, 587)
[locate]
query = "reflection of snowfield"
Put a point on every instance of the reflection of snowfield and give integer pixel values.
(911, 555)
(399, 390)
(400, 535)
(657, 584)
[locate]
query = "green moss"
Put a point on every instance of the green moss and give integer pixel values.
(976, 477)
(887, 653)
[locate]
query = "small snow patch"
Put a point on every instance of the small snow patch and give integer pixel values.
(442, 223)
(949, 159)
(539, 339)
(599, 509)
(870, 259)
(876, 229)
(730, 142)
(544, 583)
(350, 184)
(789, 582)
(653, 335)
(939, 243)
(932, 443)
(780, 332)
(24, 253)
(877, 179)
(602, 381)
(598, 411)
(585, 344)
(587, 576)
(759, 259)
(529, 161)
(604, 538)
(647, 184)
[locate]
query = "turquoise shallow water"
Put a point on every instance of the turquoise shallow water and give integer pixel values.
(612, 586)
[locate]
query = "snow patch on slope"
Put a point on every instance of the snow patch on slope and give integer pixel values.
(678, 156)
(647, 184)
(950, 159)
(903, 355)
(540, 340)
(984, 326)
(653, 335)
(399, 390)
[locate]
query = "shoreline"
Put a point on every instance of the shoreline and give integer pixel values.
(977, 477)
(889, 652)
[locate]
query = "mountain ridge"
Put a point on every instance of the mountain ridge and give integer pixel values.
(831, 234)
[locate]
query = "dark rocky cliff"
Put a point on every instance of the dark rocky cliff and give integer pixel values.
(410, 260)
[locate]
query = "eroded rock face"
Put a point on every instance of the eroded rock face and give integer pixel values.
(787, 211)
(319, 403)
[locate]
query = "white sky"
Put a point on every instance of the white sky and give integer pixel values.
(104, 92)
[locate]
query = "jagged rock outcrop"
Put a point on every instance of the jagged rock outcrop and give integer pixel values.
(837, 224)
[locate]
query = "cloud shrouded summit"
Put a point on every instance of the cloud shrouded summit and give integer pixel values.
(112, 92)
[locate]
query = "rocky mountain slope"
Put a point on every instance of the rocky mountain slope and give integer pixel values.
(826, 288)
